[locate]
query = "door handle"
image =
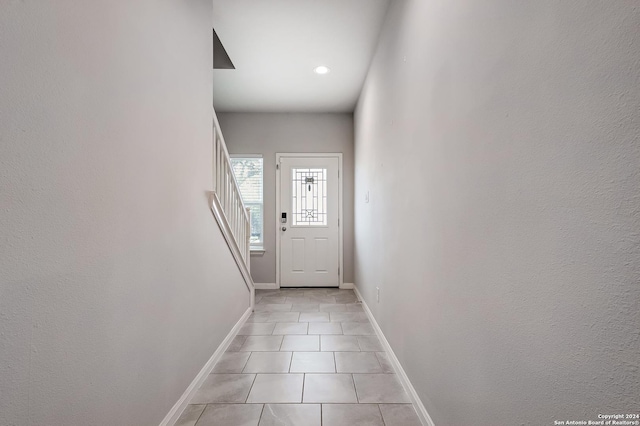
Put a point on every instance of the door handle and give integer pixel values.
(284, 228)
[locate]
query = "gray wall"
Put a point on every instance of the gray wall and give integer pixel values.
(269, 133)
(500, 144)
(116, 285)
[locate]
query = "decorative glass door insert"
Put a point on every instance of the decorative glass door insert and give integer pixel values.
(309, 197)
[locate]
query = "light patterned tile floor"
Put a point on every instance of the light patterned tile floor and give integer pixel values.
(304, 357)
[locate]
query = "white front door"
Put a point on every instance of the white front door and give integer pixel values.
(308, 221)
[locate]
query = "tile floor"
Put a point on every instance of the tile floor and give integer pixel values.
(305, 357)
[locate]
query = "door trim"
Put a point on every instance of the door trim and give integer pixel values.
(338, 155)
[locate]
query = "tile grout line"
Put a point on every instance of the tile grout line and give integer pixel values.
(201, 413)
(375, 355)
(245, 364)
(251, 388)
(355, 388)
(381, 416)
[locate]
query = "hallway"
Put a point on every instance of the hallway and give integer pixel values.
(488, 212)
(305, 357)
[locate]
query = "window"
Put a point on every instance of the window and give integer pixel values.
(248, 172)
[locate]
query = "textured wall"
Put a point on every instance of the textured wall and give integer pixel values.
(269, 133)
(499, 142)
(116, 285)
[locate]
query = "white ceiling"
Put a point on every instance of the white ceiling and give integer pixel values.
(276, 44)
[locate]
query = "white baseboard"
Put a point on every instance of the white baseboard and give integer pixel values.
(424, 417)
(265, 286)
(174, 414)
(347, 286)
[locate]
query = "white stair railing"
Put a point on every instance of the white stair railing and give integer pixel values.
(227, 202)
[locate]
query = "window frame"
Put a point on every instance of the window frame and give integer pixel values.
(256, 248)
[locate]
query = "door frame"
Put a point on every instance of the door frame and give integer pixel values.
(338, 155)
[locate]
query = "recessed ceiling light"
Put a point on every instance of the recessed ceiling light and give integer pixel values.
(321, 70)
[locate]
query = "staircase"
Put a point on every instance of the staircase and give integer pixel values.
(229, 210)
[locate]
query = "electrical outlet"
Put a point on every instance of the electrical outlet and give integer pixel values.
(378, 294)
